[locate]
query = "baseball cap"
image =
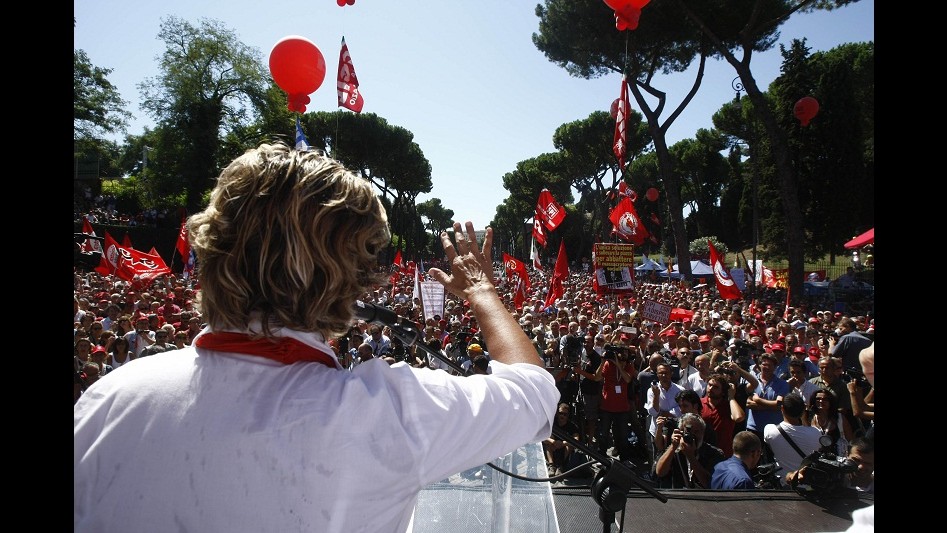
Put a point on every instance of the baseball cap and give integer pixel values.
(670, 333)
(98, 349)
(703, 338)
(779, 346)
(474, 348)
(799, 349)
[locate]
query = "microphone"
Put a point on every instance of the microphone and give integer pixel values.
(405, 330)
(377, 314)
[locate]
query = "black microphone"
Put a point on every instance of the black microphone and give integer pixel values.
(405, 330)
(377, 314)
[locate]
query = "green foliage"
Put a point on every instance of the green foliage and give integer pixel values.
(98, 109)
(699, 248)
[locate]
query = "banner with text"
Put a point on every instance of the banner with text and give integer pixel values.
(432, 298)
(656, 311)
(614, 267)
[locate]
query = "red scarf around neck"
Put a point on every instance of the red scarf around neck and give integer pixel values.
(286, 350)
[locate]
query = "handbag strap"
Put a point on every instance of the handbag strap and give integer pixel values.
(791, 442)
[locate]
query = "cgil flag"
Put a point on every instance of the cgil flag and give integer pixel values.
(183, 246)
(549, 211)
(539, 235)
(517, 275)
(89, 245)
(725, 284)
(627, 224)
(301, 143)
(559, 275)
(349, 95)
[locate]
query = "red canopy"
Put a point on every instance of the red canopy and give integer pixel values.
(862, 240)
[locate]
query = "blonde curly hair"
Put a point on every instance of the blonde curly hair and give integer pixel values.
(290, 237)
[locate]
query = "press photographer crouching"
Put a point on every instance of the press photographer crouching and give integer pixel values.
(688, 461)
(824, 474)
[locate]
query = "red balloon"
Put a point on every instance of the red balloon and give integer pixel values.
(805, 109)
(616, 5)
(298, 67)
(627, 18)
(343, 2)
(652, 194)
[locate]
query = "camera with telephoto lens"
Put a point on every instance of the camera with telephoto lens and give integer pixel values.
(826, 471)
(670, 423)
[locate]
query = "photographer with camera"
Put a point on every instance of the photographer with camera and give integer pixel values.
(791, 440)
(688, 461)
(661, 401)
(737, 471)
(615, 374)
(827, 474)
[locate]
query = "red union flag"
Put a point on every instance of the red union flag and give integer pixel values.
(627, 223)
(517, 275)
(89, 245)
(183, 247)
(549, 211)
(621, 125)
(349, 95)
(538, 232)
(725, 284)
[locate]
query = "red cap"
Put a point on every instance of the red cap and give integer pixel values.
(779, 346)
(703, 338)
(98, 349)
(814, 320)
(814, 352)
(670, 333)
(755, 332)
(799, 349)
(838, 315)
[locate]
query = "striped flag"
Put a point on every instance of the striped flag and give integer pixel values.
(301, 143)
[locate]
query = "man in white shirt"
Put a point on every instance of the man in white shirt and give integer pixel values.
(804, 436)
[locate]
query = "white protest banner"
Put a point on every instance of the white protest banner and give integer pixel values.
(432, 298)
(656, 311)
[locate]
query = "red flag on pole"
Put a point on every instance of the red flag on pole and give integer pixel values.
(559, 275)
(89, 245)
(621, 125)
(183, 246)
(549, 211)
(516, 274)
(349, 95)
(725, 284)
(110, 254)
(627, 223)
(538, 232)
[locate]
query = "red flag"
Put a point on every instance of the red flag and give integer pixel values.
(538, 232)
(627, 224)
(559, 275)
(349, 95)
(89, 245)
(516, 274)
(398, 262)
(728, 289)
(396, 272)
(621, 125)
(549, 211)
(183, 246)
(110, 255)
(140, 267)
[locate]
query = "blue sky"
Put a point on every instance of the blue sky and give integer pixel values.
(462, 75)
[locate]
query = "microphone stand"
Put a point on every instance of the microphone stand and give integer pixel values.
(614, 479)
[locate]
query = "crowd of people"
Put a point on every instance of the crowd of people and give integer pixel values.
(702, 401)
(628, 383)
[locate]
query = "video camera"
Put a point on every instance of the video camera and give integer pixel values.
(765, 476)
(613, 352)
(826, 471)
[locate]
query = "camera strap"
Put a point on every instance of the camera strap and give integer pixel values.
(791, 442)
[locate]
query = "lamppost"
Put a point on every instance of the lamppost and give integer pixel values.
(737, 85)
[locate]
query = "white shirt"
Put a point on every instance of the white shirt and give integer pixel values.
(195, 440)
(805, 437)
(667, 401)
(697, 384)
